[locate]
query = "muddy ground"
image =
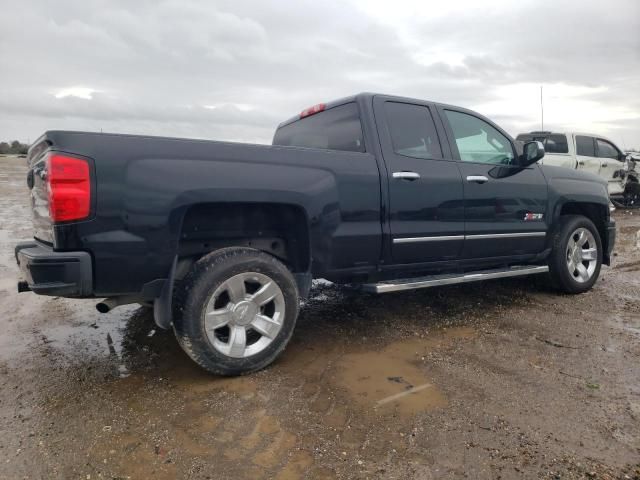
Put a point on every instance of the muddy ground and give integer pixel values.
(510, 380)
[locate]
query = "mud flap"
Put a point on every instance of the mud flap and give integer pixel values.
(162, 307)
(303, 280)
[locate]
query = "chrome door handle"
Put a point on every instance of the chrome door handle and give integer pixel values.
(406, 175)
(477, 178)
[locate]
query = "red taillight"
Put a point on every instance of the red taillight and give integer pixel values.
(312, 110)
(69, 187)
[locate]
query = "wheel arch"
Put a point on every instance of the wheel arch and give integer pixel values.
(596, 212)
(279, 229)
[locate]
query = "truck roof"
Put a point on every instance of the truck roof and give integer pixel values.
(359, 96)
(564, 132)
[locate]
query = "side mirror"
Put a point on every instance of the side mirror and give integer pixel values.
(531, 153)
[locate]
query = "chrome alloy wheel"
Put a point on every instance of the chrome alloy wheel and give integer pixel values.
(582, 255)
(244, 314)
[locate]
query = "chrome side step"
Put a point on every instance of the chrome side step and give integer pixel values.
(451, 279)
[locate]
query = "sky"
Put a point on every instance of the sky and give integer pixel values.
(232, 70)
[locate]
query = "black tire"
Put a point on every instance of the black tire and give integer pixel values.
(205, 276)
(559, 272)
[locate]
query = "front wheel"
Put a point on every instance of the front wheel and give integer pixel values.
(239, 312)
(576, 255)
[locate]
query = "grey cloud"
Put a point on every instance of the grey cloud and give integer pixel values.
(157, 64)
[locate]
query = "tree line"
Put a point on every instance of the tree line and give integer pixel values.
(13, 148)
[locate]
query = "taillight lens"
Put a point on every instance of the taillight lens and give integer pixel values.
(69, 188)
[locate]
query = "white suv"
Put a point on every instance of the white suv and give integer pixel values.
(584, 151)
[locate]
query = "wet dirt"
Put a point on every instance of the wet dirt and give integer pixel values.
(503, 379)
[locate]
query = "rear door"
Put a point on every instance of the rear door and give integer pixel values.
(586, 154)
(426, 212)
(505, 204)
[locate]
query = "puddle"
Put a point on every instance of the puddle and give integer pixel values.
(392, 378)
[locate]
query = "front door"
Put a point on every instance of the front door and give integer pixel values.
(426, 211)
(610, 164)
(505, 204)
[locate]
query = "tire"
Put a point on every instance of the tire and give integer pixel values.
(574, 266)
(240, 310)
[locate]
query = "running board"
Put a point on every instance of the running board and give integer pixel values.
(451, 279)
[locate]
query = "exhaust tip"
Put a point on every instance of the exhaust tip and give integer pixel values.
(102, 307)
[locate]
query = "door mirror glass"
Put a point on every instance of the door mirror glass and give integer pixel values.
(532, 152)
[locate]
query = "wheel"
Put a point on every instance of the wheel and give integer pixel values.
(239, 312)
(576, 255)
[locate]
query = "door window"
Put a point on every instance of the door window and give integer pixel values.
(413, 133)
(479, 142)
(606, 150)
(585, 146)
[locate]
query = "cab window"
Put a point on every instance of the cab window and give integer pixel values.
(413, 133)
(606, 150)
(585, 146)
(478, 141)
(337, 128)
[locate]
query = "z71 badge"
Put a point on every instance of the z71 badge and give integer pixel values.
(533, 216)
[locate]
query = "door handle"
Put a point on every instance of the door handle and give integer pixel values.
(580, 162)
(604, 164)
(406, 175)
(477, 179)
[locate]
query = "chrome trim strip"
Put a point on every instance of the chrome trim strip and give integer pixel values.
(438, 280)
(505, 235)
(428, 239)
(467, 237)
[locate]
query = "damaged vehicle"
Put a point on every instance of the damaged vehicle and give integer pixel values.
(590, 153)
(631, 195)
(223, 239)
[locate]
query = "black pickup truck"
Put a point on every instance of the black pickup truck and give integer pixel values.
(381, 192)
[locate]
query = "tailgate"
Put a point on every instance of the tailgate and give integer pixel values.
(39, 198)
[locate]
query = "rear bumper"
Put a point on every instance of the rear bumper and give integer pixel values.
(46, 272)
(611, 241)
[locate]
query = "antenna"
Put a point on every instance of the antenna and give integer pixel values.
(541, 111)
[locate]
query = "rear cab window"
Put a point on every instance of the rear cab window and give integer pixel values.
(553, 142)
(337, 128)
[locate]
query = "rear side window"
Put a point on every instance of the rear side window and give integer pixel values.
(585, 146)
(413, 133)
(338, 128)
(553, 143)
(606, 150)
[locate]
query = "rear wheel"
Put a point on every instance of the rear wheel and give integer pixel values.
(239, 312)
(576, 256)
